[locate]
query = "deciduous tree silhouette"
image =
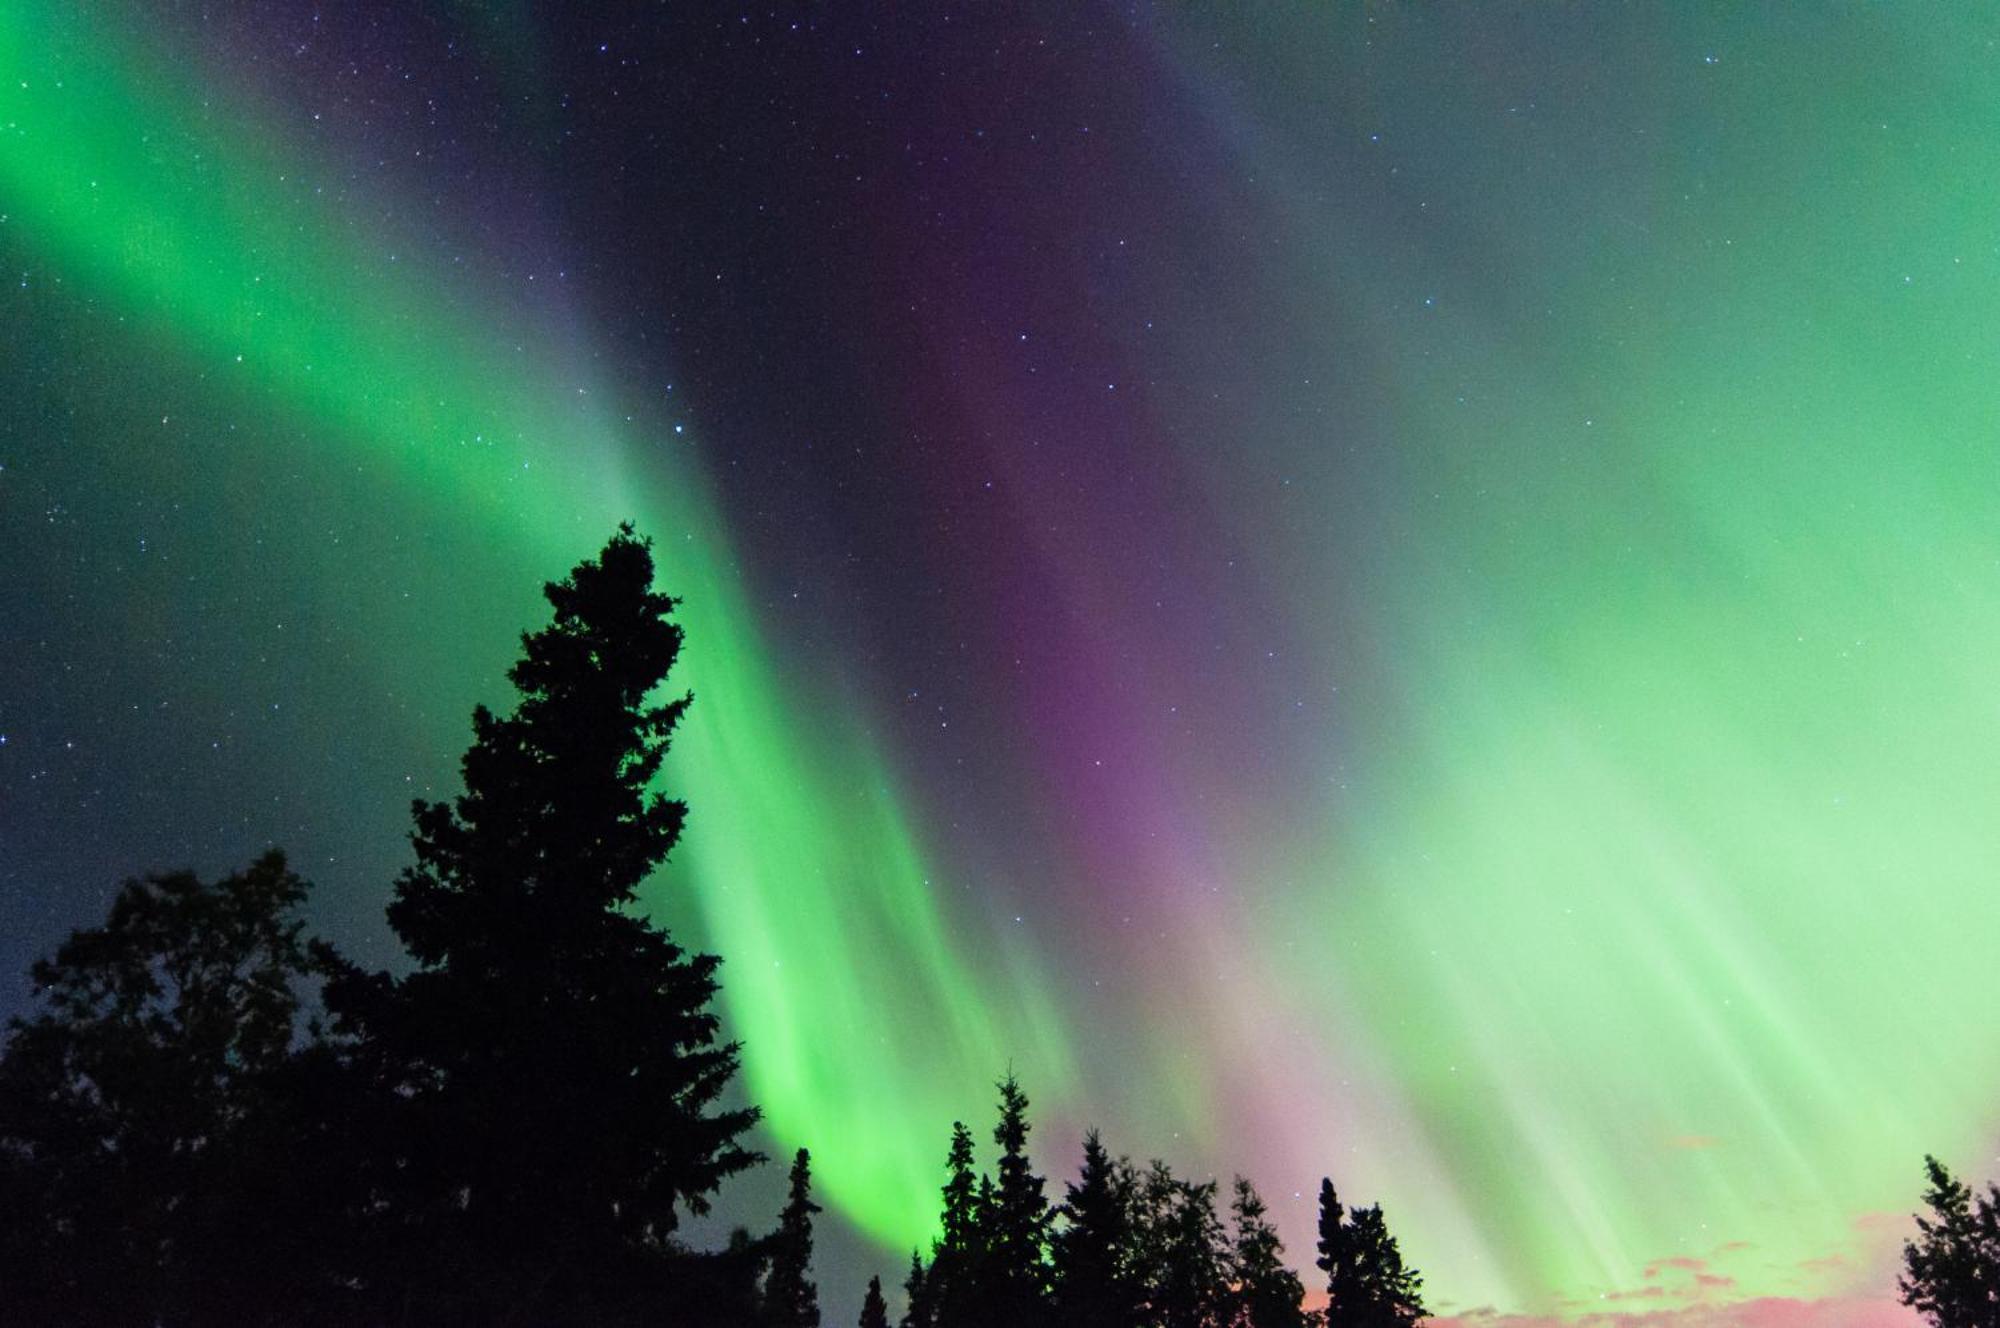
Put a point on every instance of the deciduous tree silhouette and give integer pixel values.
(510, 1133)
(791, 1300)
(1951, 1271)
(150, 1114)
(549, 1077)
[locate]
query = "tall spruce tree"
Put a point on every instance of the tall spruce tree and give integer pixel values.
(791, 1299)
(1095, 1281)
(917, 1307)
(874, 1309)
(1336, 1257)
(551, 1070)
(1016, 1269)
(1155, 1192)
(1192, 1281)
(958, 1258)
(972, 1304)
(1367, 1284)
(1268, 1294)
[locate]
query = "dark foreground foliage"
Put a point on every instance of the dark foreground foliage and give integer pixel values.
(214, 1120)
(1951, 1271)
(1135, 1248)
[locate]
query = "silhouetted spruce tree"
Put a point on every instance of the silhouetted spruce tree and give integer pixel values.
(549, 1076)
(1367, 1285)
(874, 1309)
(1015, 1284)
(958, 1257)
(791, 1300)
(1154, 1194)
(967, 1301)
(1095, 1283)
(917, 1309)
(1267, 1294)
(153, 1143)
(1951, 1271)
(1192, 1279)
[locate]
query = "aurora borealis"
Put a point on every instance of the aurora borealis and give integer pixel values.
(1387, 591)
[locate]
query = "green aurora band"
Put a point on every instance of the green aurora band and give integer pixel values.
(1653, 915)
(189, 225)
(1667, 889)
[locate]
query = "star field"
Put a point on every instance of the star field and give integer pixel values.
(1403, 593)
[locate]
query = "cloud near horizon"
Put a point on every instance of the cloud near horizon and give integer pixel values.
(1762, 1312)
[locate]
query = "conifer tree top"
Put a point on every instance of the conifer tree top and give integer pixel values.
(570, 1044)
(558, 807)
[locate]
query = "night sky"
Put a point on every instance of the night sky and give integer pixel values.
(1403, 592)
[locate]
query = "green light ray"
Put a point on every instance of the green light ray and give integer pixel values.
(1663, 884)
(194, 227)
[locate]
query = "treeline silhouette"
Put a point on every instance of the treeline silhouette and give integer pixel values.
(1133, 1248)
(214, 1119)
